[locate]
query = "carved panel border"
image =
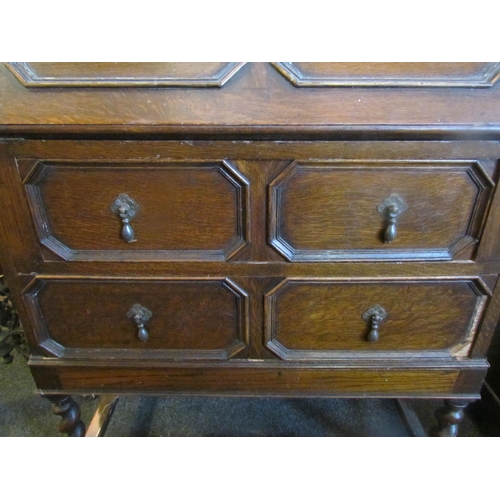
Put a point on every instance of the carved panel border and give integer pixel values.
(487, 78)
(27, 75)
(33, 174)
(464, 244)
(51, 347)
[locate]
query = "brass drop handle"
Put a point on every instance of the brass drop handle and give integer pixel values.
(391, 208)
(374, 316)
(141, 315)
(126, 208)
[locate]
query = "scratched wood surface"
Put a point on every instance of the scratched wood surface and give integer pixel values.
(324, 319)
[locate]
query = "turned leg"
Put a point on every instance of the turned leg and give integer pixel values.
(449, 418)
(69, 411)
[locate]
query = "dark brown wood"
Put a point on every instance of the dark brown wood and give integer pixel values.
(66, 408)
(185, 211)
(240, 106)
(250, 380)
(329, 211)
(393, 74)
(269, 269)
(345, 378)
(192, 319)
(259, 243)
(120, 74)
(449, 418)
(324, 318)
(164, 147)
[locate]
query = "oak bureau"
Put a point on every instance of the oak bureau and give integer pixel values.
(277, 229)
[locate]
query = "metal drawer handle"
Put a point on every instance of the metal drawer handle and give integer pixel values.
(391, 208)
(127, 209)
(374, 316)
(141, 315)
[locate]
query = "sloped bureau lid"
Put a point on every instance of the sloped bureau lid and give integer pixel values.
(394, 74)
(256, 100)
(120, 74)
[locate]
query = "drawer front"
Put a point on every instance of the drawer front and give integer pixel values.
(392, 74)
(164, 319)
(120, 74)
(328, 319)
(137, 211)
(251, 379)
(378, 210)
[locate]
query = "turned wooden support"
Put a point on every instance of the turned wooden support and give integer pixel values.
(449, 418)
(69, 411)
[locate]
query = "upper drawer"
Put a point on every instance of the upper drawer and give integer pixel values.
(378, 210)
(137, 210)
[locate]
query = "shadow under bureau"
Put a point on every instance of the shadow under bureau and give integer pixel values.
(277, 229)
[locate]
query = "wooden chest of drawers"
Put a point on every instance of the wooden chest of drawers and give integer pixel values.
(255, 239)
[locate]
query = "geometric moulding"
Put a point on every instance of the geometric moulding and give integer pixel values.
(120, 74)
(394, 74)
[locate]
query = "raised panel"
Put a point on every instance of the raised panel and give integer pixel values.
(390, 74)
(323, 318)
(186, 210)
(121, 74)
(322, 211)
(191, 318)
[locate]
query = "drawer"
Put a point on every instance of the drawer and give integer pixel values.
(121, 74)
(137, 211)
(240, 378)
(378, 210)
(390, 74)
(308, 319)
(165, 319)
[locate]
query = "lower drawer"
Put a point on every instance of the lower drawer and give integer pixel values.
(314, 319)
(169, 319)
(268, 378)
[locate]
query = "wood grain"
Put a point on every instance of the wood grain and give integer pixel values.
(322, 319)
(225, 176)
(327, 211)
(192, 319)
(121, 74)
(390, 74)
(186, 211)
(185, 149)
(249, 381)
(238, 106)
